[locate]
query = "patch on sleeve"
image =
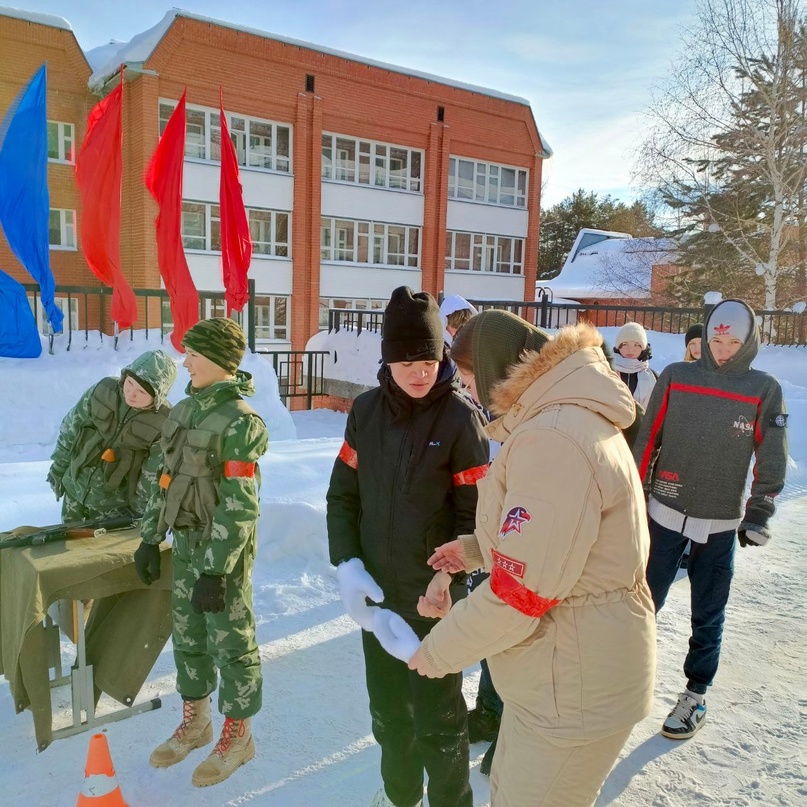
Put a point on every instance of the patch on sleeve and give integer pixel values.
(779, 421)
(510, 565)
(514, 520)
(349, 456)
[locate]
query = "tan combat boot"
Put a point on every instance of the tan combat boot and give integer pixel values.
(194, 731)
(234, 748)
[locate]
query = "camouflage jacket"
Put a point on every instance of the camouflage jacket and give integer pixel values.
(103, 420)
(228, 523)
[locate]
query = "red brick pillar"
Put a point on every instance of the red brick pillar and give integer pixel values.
(435, 207)
(533, 229)
(306, 219)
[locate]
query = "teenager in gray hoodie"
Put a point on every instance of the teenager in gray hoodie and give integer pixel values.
(705, 423)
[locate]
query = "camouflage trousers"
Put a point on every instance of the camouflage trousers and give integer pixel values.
(74, 510)
(205, 643)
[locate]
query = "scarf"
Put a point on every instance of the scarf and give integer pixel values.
(645, 380)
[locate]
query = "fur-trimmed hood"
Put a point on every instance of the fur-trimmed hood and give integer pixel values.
(570, 369)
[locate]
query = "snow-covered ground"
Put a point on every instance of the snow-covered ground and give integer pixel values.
(313, 739)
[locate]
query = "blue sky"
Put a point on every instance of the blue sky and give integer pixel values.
(586, 66)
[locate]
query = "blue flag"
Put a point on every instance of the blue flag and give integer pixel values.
(19, 338)
(24, 198)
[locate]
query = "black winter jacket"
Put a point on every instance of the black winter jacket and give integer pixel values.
(405, 482)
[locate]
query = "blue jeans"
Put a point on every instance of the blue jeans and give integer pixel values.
(710, 569)
(486, 696)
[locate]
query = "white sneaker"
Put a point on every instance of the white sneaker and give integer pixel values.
(381, 800)
(685, 719)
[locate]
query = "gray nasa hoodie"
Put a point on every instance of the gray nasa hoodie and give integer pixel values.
(704, 424)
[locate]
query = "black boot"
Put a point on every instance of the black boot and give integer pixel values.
(483, 724)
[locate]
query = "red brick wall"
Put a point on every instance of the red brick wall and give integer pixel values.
(265, 78)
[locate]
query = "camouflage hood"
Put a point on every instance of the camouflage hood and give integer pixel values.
(156, 368)
(241, 385)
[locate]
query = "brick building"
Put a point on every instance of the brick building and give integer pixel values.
(358, 176)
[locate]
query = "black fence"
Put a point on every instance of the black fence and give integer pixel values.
(300, 373)
(355, 319)
(786, 328)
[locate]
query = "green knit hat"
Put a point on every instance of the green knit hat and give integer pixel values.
(500, 338)
(219, 339)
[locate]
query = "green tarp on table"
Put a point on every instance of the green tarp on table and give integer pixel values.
(128, 626)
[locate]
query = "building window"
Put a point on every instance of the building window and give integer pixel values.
(480, 252)
(61, 142)
(201, 229)
(62, 229)
(365, 162)
(271, 318)
(259, 144)
(369, 242)
(327, 304)
(487, 182)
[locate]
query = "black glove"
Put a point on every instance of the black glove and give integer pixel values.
(749, 534)
(208, 593)
(56, 485)
(147, 562)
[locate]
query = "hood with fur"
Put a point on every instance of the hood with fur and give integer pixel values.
(570, 369)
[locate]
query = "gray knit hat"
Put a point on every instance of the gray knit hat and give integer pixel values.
(730, 318)
(500, 339)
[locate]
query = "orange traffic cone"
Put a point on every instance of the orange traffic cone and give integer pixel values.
(100, 788)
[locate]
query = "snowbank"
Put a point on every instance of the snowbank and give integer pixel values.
(38, 393)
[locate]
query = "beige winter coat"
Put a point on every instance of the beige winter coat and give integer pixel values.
(565, 621)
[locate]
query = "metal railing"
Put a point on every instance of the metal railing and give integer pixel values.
(300, 373)
(355, 319)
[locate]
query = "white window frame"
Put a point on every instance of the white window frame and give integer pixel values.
(65, 134)
(68, 235)
(371, 238)
(267, 328)
(376, 158)
(249, 157)
(212, 219)
(486, 253)
(484, 190)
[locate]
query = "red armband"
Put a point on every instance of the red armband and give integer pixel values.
(471, 476)
(236, 468)
(349, 456)
(517, 595)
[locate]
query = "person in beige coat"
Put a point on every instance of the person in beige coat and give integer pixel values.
(565, 620)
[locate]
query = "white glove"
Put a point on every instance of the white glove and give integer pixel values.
(394, 635)
(355, 585)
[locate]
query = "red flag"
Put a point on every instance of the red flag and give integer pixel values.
(236, 242)
(98, 177)
(164, 181)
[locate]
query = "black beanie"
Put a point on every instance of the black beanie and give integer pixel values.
(412, 328)
(694, 332)
(147, 387)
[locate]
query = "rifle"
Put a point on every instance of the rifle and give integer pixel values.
(88, 528)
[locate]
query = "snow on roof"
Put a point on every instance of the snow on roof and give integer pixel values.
(141, 46)
(103, 54)
(34, 16)
(603, 264)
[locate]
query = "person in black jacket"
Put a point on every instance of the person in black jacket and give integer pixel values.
(403, 484)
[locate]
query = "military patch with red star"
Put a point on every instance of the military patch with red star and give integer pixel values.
(514, 520)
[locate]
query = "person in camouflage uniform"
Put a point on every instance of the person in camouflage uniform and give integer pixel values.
(108, 450)
(208, 497)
